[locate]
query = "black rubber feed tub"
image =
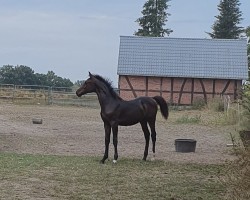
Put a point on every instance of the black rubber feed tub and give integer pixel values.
(185, 145)
(37, 121)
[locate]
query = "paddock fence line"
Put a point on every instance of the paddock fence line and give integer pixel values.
(36, 94)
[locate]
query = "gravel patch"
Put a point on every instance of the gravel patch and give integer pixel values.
(79, 131)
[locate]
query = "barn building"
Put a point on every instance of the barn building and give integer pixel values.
(182, 70)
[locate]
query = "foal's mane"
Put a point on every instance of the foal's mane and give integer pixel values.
(108, 83)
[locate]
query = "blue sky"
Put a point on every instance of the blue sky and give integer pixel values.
(72, 37)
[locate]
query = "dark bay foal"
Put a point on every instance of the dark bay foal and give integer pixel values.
(115, 111)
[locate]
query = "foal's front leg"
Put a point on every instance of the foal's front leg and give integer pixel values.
(107, 128)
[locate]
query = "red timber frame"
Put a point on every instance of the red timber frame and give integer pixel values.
(181, 91)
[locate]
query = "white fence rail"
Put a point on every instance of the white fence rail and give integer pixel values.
(35, 94)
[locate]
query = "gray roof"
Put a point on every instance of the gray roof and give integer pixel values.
(183, 57)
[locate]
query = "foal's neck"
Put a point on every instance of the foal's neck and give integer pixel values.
(106, 98)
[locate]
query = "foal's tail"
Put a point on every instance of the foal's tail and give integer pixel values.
(163, 106)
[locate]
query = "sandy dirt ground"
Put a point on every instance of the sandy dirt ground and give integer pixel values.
(79, 131)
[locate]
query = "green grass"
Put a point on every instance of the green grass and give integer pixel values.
(72, 177)
(188, 120)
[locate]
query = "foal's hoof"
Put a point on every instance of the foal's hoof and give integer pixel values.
(102, 161)
(153, 158)
(114, 161)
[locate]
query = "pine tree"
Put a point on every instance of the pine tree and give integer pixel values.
(153, 19)
(248, 49)
(226, 25)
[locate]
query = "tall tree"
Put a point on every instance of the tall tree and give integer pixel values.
(248, 49)
(154, 19)
(23, 75)
(227, 24)
(18, 75)
(56, 81)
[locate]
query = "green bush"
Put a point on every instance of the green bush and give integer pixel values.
(245, 121)
(198, 103)
(238, 173)
(237, 178)
(216, 104)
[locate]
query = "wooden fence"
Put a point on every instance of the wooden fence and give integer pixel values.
(34, 94)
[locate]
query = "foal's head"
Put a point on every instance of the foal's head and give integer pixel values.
(96, 83)
(87, 87)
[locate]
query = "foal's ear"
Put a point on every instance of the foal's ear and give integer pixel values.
(90, 75)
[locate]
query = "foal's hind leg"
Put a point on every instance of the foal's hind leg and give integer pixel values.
(115, 142)
(147, 138)
(153, 133)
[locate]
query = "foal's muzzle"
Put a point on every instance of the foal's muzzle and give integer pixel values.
(78, 94)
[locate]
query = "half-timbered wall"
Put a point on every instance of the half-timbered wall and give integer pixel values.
(182, 91)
